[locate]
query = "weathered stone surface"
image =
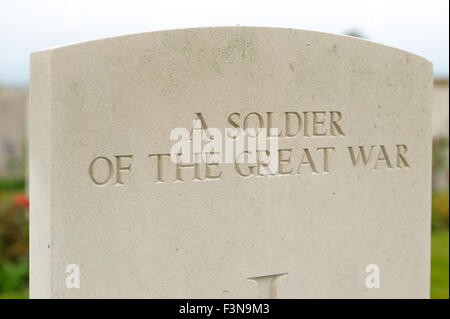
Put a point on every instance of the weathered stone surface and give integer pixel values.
(313, 228)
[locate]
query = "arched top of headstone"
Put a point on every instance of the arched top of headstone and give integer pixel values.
(225, 33)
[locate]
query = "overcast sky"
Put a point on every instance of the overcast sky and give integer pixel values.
(421, 27)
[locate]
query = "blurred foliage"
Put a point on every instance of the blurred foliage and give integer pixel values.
(13, 228)
(15, 166)
(439, 265)
(17, 184)
(440, 146)
(13, 277)
(440, 210)
(440, 159)
(13, 243)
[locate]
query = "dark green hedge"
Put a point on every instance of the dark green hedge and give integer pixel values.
(12, 184)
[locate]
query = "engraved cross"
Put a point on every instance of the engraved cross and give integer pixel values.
(268, 285)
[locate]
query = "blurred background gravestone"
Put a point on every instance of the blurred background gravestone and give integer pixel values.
(13, 102)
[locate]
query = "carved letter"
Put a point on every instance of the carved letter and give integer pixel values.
(360, 154)
(325, 157)
(159, 166)
(307, 161)
(289, 129)
(383, 156)
(284, 160)
(318, 123)
(334, 126)
(120, 168)
(110, 171)
(401, 151)
(268, 285)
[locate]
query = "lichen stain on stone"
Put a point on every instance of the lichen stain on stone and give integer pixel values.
(336, 50)
(242, 42)
(203, 53)
(291, 66)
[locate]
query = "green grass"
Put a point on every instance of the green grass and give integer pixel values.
(13, 280)
(439, 265)
(15, 295)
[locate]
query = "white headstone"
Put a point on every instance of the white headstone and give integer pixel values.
(346, 214)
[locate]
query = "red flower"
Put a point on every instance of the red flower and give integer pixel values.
(20, 199)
